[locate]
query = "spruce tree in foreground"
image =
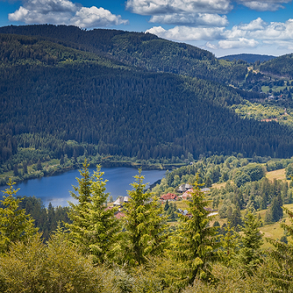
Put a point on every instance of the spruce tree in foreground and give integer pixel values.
(94, 227)
(194, 243)
(250, 254)
(104, 228)
(79, 211)
(144, 225)
(15, 224)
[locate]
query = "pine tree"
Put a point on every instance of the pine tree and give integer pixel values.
(79, 211)
(275, 212)
(194, 244)
(236, 219)
(144, 225)
(93, 227)
(229, 243)
(15, 170)
(24, 164)
(39, 166)
(103, 226)
(15, 225)
(249, 254)
(62, 161)
(166, 207)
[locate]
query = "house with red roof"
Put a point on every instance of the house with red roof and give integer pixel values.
(169, 196)
(187, 194)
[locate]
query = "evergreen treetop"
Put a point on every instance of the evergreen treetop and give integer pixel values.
(144, 224)
(15, 224)
(94, 227)
(194, 242)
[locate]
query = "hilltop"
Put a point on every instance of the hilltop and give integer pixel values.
(249, 58)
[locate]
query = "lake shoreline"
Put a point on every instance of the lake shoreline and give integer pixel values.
(105, 164)
(57, 189)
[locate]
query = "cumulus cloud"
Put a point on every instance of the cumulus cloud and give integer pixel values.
(257, 24)
(257, 32)
(250, 35)
(92, 17)
(184, 33)
(211, 46)
(192, 19)
(161, 7)
(240, 43)
(264, 5)
(64, 12)
(266, 31)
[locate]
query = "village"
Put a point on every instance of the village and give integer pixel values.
(185, 191)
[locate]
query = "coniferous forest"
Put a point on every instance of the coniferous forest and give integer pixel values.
(106, 91)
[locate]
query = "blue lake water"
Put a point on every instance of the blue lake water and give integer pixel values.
(55, 189)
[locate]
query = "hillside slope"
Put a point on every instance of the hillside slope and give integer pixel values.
(140, 50)
(91, 99)
(249, 58)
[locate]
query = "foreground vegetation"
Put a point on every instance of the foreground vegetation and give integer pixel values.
(95, 252)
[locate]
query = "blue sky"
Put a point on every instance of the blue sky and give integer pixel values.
(221, 26)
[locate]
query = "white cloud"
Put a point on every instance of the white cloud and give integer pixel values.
(64, 12)
(192, 19)
(161, 7)
(93, 17)
(240, 43)
(258, 29)
(211, 46)
(257, 32)
(184, 33)
(257, 24)
(264, 5)
(251, 35)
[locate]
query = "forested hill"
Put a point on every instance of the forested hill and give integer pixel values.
(64, 94)
(249, 58)
(282, 66)
(140, 50)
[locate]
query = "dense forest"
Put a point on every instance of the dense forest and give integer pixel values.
(58, 101)
(140, 50)
(249, 58)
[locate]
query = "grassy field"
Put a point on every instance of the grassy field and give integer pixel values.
(275, 231)
(277, 174)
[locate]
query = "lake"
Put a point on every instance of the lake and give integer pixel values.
(55, 189)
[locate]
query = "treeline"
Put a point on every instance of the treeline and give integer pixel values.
(98, 253)
(249, 58)
(45, 219)
(220, 169)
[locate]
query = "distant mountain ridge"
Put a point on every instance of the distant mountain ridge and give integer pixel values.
(249, 58)
(141, 50)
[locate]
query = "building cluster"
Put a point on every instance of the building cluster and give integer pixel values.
(185, 189)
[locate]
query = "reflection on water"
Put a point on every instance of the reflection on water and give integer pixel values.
(55, 189)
